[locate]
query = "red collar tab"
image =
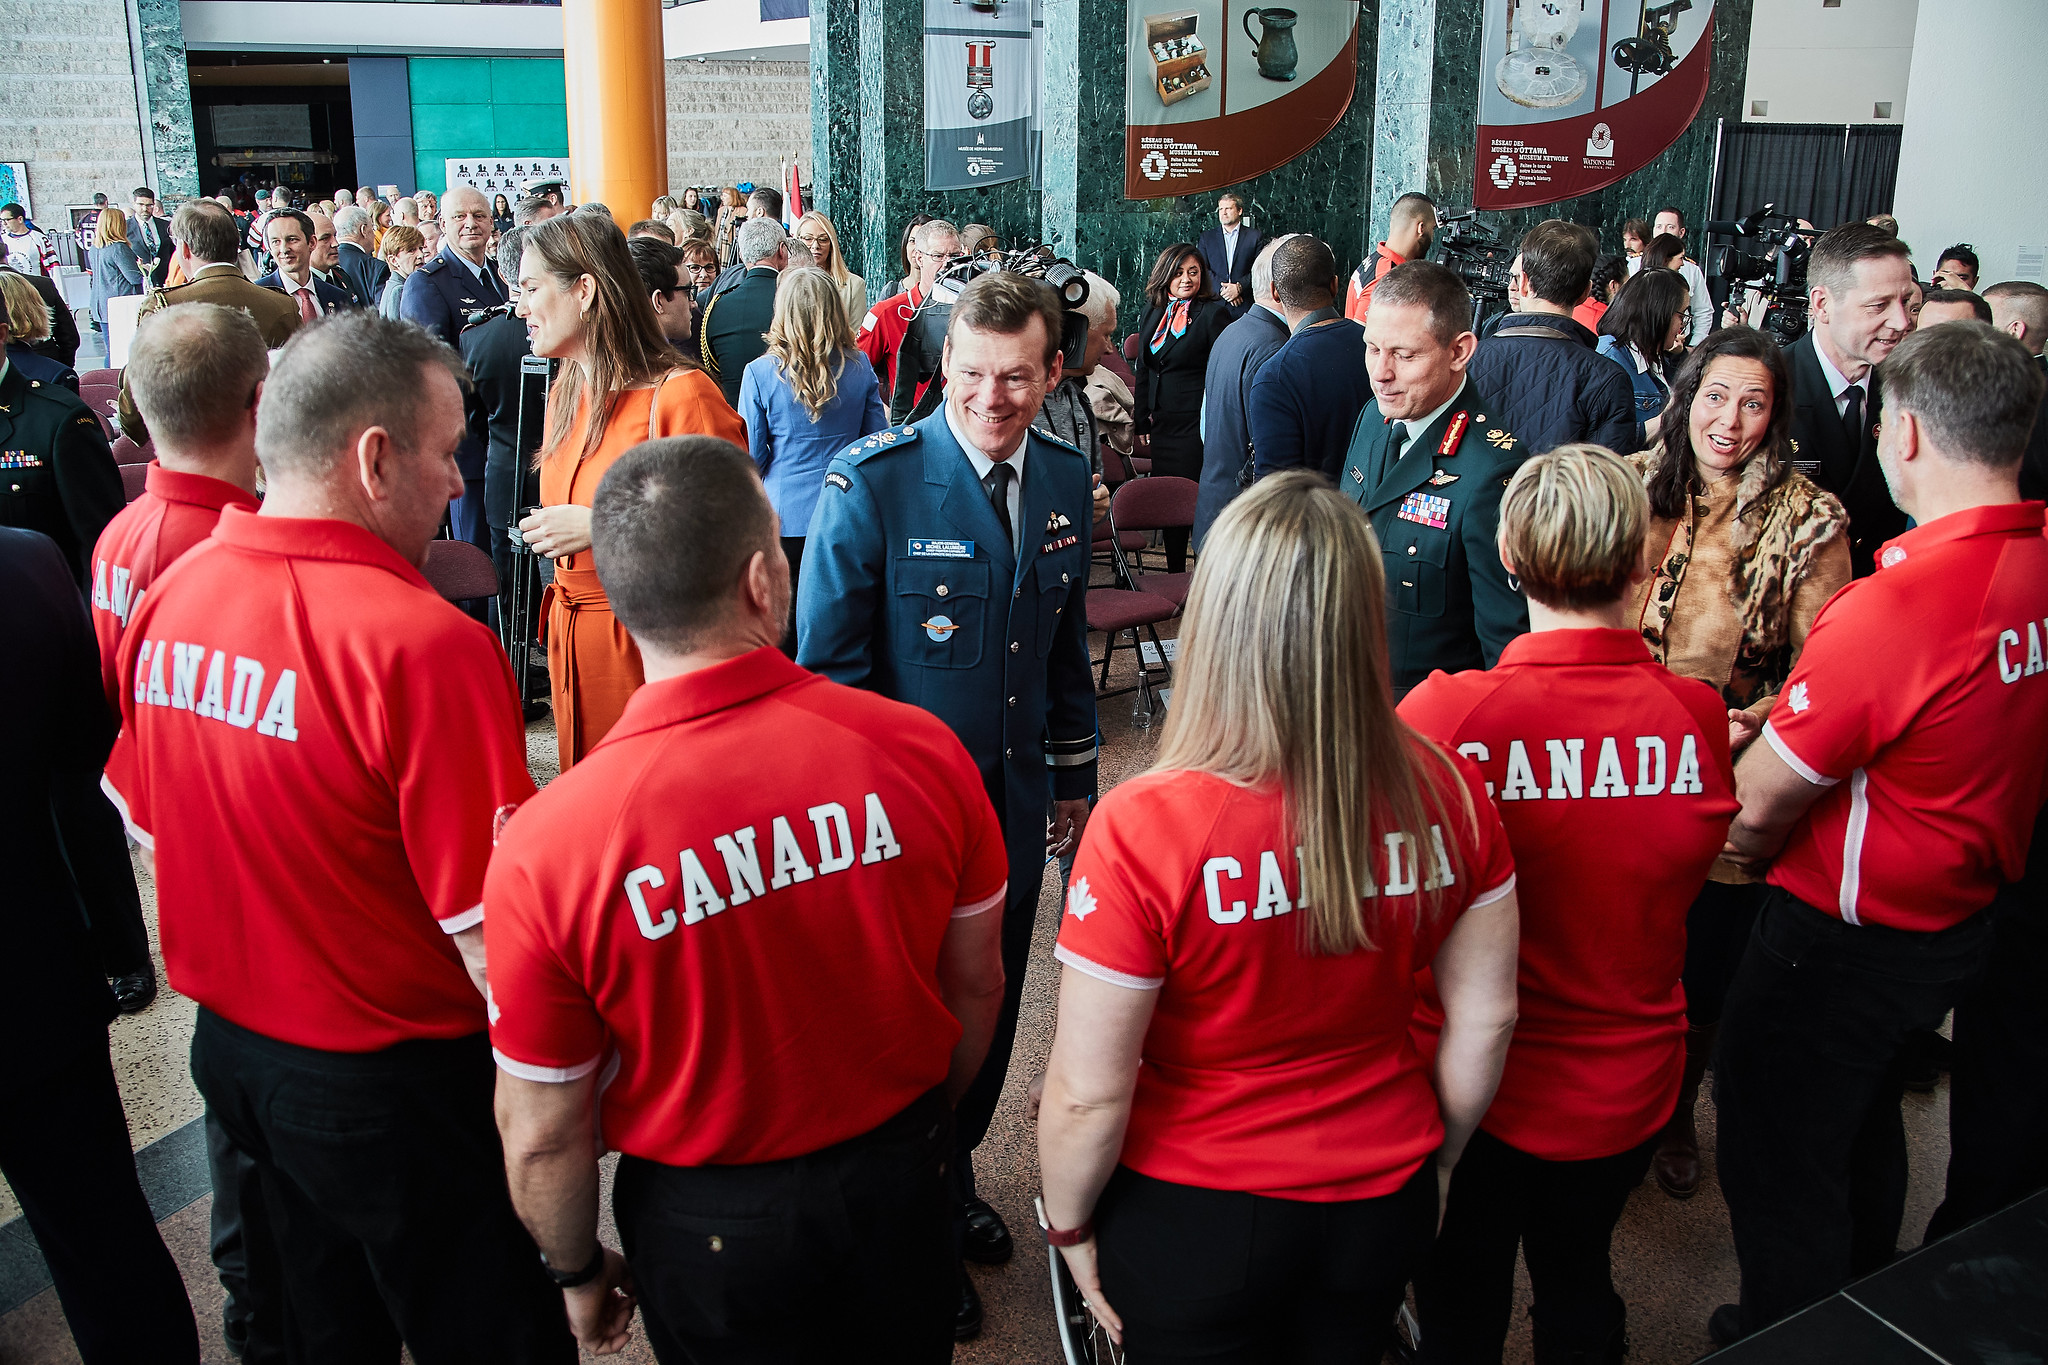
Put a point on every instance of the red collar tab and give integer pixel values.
(1454, 434)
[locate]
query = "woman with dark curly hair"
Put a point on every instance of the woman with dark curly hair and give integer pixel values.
(1746, 550)
(1185, 318)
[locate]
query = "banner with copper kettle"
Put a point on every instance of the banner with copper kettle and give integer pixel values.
(1576, 94)
(1218, 91)
(981, 84)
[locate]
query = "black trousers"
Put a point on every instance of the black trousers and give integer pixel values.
(977, 1108)
(1562, 1214)
(1219, 1275)
(383, 1191)
(793, 551)
(1807, 1088)
(64, 1147)
(96, 849)
(1717, 930)
(845, 1254)
(1998, 1082)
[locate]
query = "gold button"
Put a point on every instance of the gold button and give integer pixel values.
(943, 590)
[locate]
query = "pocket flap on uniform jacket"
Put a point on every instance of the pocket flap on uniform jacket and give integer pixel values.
(942, 580)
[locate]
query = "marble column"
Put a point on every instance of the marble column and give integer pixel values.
(170, 149)
(835, 122)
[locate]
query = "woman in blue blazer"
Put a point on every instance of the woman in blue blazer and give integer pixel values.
(115, 273)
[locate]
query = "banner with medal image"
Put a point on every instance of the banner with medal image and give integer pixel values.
(1218, 91)
(980, 92)
(1576, 94)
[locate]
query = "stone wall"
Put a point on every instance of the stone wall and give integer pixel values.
(67, 102)
(733, 122)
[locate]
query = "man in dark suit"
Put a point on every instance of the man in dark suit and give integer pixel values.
(1860, 285)
(1305, 402)
(735, 325)
(441, 296)
(1230, 248)
(1234, 362)
(149, 235)
(352, 256)
(64, 1143)
(493, 352)
(1428, 463)
(2019, 308)
(290, 235)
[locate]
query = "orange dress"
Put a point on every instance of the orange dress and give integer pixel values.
(593, 665)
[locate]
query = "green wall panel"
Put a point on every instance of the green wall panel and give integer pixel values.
(529, 125)
(511, 107)
(449, 80)
(453, 125)
(526, 80)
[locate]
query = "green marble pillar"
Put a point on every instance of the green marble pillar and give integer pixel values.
(835, 120)
(167, 88)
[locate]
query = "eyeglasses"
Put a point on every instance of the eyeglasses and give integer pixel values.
(813, 239)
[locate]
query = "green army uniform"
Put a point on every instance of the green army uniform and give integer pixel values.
(1435, 506)
(57, 473)
(277, 317)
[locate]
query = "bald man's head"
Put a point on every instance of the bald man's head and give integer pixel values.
(466, 221)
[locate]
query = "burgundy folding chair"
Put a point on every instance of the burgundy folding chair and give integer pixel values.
(100, 379)
(134, 479)
(126, 452)
(1158, 503)
(459, 571)
(1105, 541)
(1119, 611)
(1130, 350)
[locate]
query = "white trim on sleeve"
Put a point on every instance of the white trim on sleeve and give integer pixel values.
(526, 1071)
(1794, 761)
(1102, 973)
(468, 919)
(136, 832)
(1501, 892)
(1852, 844)
(984, 905)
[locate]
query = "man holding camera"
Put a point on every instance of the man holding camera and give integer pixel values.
(918, 531)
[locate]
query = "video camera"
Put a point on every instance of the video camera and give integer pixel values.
(1476, 255)
(924, 343)
(1777, 269)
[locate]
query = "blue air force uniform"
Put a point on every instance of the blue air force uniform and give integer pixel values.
(1435, 506)
(440, 296)
(911, 588)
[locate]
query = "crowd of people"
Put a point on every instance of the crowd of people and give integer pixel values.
(1563, 706)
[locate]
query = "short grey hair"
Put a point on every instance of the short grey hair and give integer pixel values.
(1262, 268)
(1102, 302)
(193, 372)
(350, 220)
(760, 238)
(925, 234)
(344, 198)
(349, 371)
(511, 245)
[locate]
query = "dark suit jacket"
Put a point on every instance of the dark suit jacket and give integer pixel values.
(151, 240)
(1824, 453)
(1306, 399)
(1167, 399)
(64, 482)
(62, 343)
(1237, 270)
(363, 270)
(332, 297)
(2034, 466)
(54, 999)
(1234, 361)
(735, 330)
(493, 352)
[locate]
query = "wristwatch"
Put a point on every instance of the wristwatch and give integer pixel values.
(1062, 1237)
(575, 1279)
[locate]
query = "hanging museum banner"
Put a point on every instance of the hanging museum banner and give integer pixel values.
(1217, 92)
(980, 92)
(1576, 94)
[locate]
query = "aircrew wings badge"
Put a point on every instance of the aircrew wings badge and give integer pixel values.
(1442, 477)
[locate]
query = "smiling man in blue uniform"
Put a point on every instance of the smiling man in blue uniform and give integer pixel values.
(918, 531)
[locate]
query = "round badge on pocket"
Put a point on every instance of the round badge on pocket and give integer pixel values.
(939, 628)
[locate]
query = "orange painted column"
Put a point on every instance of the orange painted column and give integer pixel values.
(618, 108)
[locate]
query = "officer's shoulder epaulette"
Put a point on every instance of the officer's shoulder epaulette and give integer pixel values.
(1045, 434)
(888, 438)
(433, 264)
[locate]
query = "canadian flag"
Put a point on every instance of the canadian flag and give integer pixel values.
(792, 194)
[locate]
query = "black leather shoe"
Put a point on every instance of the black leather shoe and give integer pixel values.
(1725, 1327)
(987, 1241)
(967, 1315)
(136, 991)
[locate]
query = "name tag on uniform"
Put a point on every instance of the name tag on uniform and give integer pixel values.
(942, 549)
(1427, 509)
(1807, 467)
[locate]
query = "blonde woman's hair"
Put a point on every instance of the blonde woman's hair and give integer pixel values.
(1283, 678)
(838, 270)
(28, 316)
(810, 337)
(1572, 522)
(112, 227)
(621, 335)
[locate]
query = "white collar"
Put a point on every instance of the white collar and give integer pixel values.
(1838, 384)
(982, 463)
(1231, 231)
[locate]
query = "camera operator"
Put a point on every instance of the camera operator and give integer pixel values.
(1548, 381)
(1858, 283)
(1411, 229)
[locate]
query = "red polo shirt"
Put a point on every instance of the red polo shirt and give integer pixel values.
(175, 512)
(739, 898)
(881, 334)
(1612, 777)
(1267, 1069)
(1358, 295)
(319, 750)
(1921, 702)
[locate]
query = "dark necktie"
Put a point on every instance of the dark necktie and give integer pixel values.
(1852, 418)
(997, 485)
(1397, 438)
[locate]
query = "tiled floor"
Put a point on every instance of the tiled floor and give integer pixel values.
(1673, 1261)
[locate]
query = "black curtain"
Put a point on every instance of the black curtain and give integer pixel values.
(1826, 173)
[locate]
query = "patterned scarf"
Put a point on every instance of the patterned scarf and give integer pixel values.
(1174, 320)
